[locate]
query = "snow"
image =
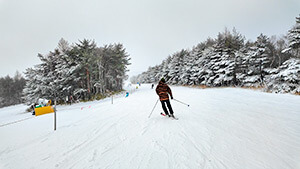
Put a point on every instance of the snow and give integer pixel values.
(13, 113)
(223, 128)
(286, 50)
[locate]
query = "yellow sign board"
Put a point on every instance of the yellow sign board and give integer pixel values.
(43, 110)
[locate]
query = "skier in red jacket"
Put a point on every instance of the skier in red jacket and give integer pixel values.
(163, 91)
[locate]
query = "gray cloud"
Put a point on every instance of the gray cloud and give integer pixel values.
(149, 29)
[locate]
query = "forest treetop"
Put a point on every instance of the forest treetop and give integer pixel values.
(230, 60)
(82, 70)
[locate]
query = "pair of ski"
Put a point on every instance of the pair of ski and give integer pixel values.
(173, 118)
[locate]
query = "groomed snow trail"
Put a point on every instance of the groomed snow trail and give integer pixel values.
(224, 128)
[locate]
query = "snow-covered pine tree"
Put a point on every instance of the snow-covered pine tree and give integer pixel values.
(103, 63)
(65, 68)
(186, 70)
(200, 71)
(113, 61)
(223, 61)
(49, 82)
(280, 43)
(32, 90)
(201, 68)
(287, 78)
(264, 52)
(82, 54)
(176, 66)
(240, 66)
(155, 74)
(108, 68)
(159, 72)
(166, 67)
(191, 65)
(252, 77)
(11, 90)
(226, 61)
(294, 39)
(191, 68)
(259, 59)
(147, 76)
(18, 86)
(120, 66)
(80, 70)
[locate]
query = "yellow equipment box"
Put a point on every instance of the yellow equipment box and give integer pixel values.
(43, 110)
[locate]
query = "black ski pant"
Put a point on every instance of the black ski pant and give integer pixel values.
(163, 103)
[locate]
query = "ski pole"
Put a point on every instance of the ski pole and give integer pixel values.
(153, 108)
(181, 102)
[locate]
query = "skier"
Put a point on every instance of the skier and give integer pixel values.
(163, 91)
(67, 99)
(33, 108)
(152, 86)
(49, 103)
(71, 99)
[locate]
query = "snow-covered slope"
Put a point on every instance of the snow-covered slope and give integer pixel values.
(223, 128)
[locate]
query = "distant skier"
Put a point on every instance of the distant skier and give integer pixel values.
(127, 94)
(67, 99)
(49, 103)
(152, 86)
(71, 100)
(33, 108)
(163, 91)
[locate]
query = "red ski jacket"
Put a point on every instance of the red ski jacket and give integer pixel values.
(163, 90)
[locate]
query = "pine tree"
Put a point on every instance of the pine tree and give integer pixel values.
(223, 60)
(32, 89)
(6, 85)
(82, 55)
(176, 65)
(190, 62)
(111, 63)
(287, 77)
(18, 86)
(82, 71)
(280, 43)
(11, 90)
(65, 71)
(259, 59)
(294, 39)
(166, 66)
(228, 61)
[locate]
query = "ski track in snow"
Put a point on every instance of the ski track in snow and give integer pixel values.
(223, 128)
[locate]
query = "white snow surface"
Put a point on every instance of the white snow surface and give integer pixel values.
(224, 128)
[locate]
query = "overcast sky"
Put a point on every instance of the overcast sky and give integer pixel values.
(149, 29)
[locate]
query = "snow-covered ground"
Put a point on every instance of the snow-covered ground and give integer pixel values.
(224, 128)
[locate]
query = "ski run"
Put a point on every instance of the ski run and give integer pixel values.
(223, 128)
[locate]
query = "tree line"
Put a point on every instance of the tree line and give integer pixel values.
(82, 70)
(231, 60)
(11, 90)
